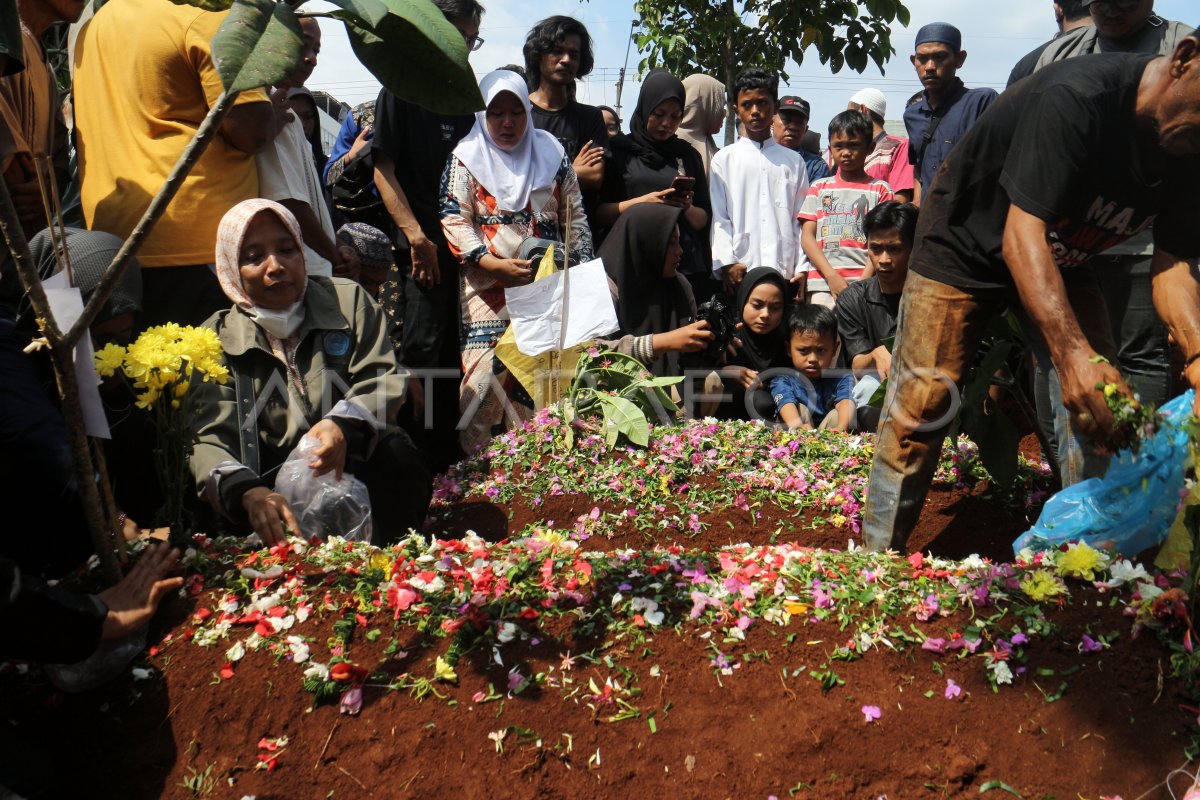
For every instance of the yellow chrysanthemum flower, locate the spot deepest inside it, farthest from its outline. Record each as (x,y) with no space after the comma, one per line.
(1041,585)
(442,671)
(164,359)
(147,398)
(552,536)
(1082,561)
(109,359)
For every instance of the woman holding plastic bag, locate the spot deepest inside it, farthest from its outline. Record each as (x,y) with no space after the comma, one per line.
(309,359)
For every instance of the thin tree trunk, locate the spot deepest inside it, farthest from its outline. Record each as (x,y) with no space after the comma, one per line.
(64,373)
(62,346)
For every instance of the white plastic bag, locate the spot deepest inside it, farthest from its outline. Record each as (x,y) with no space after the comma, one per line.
(324,506)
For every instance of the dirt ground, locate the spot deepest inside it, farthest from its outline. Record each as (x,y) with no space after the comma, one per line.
(1068,728)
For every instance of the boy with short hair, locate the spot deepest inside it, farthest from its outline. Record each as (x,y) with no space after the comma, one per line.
(807,395)
(757,187)
(868,309)
(833,212)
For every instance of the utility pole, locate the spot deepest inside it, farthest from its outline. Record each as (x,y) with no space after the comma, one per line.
(621,74)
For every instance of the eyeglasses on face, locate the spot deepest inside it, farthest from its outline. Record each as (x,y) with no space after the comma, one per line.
(474,43)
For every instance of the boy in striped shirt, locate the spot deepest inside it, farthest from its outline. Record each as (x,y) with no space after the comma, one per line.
(832,214)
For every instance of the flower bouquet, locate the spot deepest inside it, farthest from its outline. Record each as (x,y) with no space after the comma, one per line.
(162,364)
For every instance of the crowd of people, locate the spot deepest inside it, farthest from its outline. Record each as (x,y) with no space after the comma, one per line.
(360,296)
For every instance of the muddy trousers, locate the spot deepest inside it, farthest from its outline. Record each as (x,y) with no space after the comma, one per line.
(938,332)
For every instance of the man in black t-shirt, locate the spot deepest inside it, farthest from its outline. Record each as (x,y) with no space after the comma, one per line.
(411,146)
(1143,348)
(1079,157)
(557,51)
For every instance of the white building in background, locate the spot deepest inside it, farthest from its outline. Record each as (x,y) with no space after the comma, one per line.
(330,113)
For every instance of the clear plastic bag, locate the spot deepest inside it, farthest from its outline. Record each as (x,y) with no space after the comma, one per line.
(1133,505)
(323,505)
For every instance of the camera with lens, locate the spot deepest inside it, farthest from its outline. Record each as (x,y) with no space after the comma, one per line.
(719,316)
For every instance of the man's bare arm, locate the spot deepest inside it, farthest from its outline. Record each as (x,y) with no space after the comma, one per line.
(424,252)
(1044,296)
(1177,300)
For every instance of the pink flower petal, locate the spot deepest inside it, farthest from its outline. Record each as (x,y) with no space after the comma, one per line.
(871,713)
(352,701)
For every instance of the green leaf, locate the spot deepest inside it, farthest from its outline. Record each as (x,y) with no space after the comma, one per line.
(879,395)
(419,56)
(626,418)
(207,5)
(257,45)
(990,785)
(364,13)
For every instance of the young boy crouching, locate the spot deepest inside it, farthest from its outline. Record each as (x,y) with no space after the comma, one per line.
(807,395)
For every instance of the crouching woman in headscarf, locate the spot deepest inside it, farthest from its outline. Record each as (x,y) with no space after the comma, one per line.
(307,355)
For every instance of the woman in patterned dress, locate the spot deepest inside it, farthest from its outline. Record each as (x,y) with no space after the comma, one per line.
(505,182)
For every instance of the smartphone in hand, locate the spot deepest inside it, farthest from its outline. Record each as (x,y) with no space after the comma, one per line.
(680,186)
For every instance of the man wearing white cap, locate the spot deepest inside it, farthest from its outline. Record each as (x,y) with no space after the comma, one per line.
(889,160)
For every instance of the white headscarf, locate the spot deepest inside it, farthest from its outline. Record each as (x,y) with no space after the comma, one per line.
(509,175)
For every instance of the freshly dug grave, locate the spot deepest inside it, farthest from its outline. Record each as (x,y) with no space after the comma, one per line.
(612,666)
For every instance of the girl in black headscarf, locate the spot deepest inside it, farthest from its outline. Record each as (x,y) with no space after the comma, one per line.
(761,305)
(644,165)
(655,305)
(302,102)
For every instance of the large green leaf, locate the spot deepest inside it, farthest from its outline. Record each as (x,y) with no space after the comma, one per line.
(257,45)
(417,55)
(623,416)
(364,13)
(207,5)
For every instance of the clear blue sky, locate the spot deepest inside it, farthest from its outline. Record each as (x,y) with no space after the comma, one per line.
(995,36)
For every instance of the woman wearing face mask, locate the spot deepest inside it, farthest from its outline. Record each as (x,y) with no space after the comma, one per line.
(652,166)
(505,181)
(306,355)
(760,345)
(655,307)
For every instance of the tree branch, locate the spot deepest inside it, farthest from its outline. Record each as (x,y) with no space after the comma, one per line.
(68,389)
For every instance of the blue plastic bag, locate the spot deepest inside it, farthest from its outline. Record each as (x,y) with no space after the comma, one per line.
(1133,505)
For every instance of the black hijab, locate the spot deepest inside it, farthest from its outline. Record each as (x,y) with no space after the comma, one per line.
(659,87)
(760,352)
(633,255)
